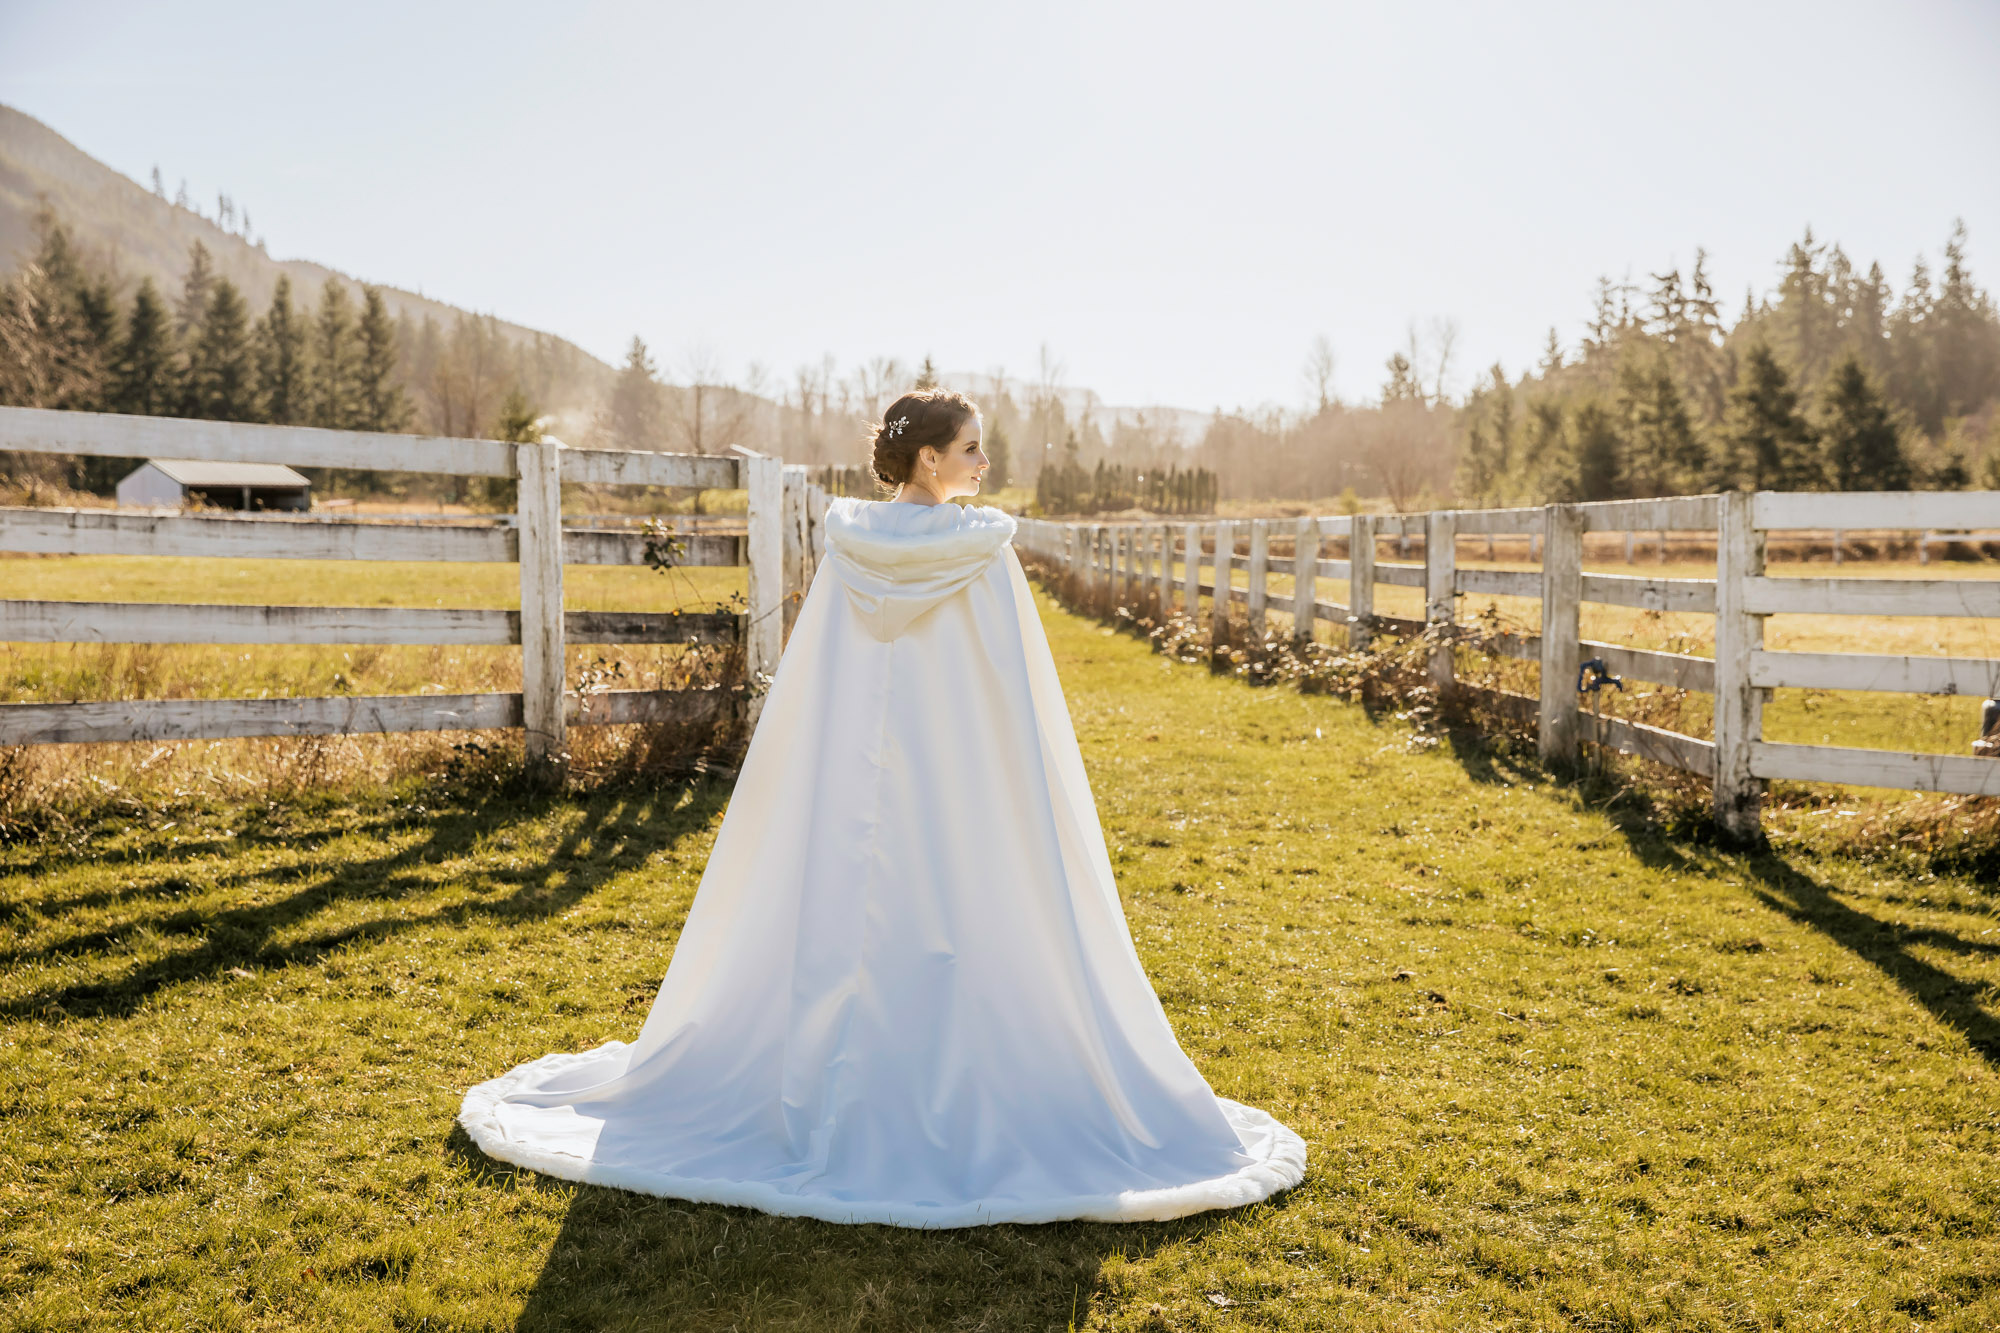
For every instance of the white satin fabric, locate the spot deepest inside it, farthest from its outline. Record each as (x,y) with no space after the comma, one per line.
(905,992)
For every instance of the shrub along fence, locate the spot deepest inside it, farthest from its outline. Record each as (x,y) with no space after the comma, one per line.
(1136,564)
(779,547)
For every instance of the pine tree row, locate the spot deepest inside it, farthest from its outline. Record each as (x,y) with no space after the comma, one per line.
(1829,384)
(64,343)
(1070,488)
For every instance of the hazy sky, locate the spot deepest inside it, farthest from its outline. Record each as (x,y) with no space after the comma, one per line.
(1175,199)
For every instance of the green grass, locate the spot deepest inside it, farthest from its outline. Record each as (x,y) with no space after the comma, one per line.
(1627,1082)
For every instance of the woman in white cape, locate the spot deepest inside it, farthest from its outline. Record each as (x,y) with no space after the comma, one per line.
(905,991)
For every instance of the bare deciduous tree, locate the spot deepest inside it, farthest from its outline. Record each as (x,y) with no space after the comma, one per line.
(1318,372)
(708,411)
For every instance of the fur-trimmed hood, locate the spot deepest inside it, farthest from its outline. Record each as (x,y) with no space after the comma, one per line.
(897,561)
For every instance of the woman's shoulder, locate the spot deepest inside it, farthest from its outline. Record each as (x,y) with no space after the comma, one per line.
(902,516)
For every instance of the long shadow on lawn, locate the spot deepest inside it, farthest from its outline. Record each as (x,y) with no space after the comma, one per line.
(1886,945)
(633,825)
(626,1260)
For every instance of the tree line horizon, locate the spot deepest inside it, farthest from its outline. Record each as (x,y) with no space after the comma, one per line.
(1831,380)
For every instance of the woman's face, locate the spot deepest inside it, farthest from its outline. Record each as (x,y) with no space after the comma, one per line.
(959,468)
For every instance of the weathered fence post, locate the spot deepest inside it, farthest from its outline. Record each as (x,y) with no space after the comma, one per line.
(1166,597)
(1117,557)
(1143,568)
(1107,588)
(1191,570)
(1136,571)
(1101,582)
(764,479)
(1259,570)
(795,544)
(816,504)
(1360,579)
(1100,565)
(539,517)
(1305,575)
(1739,705)
(1562,597)
(1441,588)
(1225,552)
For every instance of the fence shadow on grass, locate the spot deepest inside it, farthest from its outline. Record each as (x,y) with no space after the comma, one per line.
(1887,946)
(633,824)
(630,1261)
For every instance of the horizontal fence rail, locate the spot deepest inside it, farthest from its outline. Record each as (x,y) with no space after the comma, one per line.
(1167,567)
(780,549)
(168,622)
(279,537)
(348,715)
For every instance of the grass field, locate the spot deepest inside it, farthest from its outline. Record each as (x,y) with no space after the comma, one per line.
(1554,1068)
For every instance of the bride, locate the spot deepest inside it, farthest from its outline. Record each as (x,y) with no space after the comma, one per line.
(905,991)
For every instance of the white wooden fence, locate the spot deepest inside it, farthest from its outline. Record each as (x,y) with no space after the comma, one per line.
(780,549)
(1135,563)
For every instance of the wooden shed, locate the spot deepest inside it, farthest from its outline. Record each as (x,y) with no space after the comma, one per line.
(178,482)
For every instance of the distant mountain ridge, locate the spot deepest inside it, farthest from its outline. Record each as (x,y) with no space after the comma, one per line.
(144,236)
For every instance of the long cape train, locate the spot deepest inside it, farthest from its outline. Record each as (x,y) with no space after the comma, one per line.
(905,991)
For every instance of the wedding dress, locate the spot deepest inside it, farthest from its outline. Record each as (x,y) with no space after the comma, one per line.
(905,991)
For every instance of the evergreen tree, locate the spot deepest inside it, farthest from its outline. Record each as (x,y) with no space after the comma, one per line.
(195,291)
(1000,453)
(1599,454)
(333,401)
(1965,336)
(221,381)
(382,405)
(1486,458)
(145,382)
(1951,473)
(926,376)
(1552,354)
(283,389)
(1863,447)
(634,418)
(1767,444)
(1665,454)
(1912,377)
(88,310)
(1869,322)
(1804,313)
(56,333)
(520,421)
(1545,461)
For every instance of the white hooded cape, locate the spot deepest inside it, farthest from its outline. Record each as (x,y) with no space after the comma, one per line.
(906,991)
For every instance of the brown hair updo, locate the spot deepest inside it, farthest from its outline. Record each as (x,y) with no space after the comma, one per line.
(924,417)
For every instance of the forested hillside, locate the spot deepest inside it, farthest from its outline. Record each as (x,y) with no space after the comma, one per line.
(118,297)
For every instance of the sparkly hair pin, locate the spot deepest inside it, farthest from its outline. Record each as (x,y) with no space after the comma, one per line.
(896,427)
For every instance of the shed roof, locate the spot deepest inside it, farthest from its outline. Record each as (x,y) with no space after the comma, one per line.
(199,472)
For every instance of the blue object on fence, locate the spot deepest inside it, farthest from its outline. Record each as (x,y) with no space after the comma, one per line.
(1593,676)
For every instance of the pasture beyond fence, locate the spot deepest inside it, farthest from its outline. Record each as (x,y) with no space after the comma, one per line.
(780,545)
(1136,563)
(783,539)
